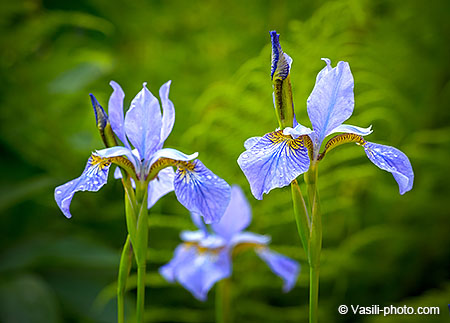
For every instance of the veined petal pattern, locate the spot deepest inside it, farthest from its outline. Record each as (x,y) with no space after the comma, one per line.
(394,161)
(201,191)
(275,161)
(94,176)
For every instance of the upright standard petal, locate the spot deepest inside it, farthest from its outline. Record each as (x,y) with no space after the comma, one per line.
(282,266)
(331,101)
(394,161)
(199,223)
(168,117)
(237,216)
(116,116)
(143,123)
(160,186)
(281,62)
(94,176)
(201,191)
(275,161)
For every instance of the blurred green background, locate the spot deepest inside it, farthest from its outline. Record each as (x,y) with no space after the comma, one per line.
(379,247)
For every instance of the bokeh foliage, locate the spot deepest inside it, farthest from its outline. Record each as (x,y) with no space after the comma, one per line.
(379,247)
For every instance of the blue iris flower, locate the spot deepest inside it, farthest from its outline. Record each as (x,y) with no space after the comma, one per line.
(143,131)
(277,158)
(206,257)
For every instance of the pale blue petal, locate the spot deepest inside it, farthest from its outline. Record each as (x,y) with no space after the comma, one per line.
(275,161)
(237,216)
(346,128)
(143,123)
(331,101)
(115,110)
(281,62)
(182,254)
(120,151)
(171,154)
(92,179)
(394,161)
(168,118)
(161,185)
(325,70)
(198,221)
(201,191)
(193,236)
(199,274)
(212,241)
(282,266)
(295,122)
(250,142)
(249,238)
(118,175)
(298,131)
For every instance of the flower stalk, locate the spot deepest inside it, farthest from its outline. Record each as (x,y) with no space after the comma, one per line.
(278,158)
(315,242)
(134,141)
(223,301)
(124,271)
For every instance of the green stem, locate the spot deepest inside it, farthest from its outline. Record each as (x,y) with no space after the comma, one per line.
(315,241)
(313,294)
(140,306)
(223,301)
(124,271)
(301,215)
(140,248)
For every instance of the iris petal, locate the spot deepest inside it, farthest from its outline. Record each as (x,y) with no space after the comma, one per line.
(284,267)
(120,151)
(160,186)
(143,123)
(182,254)
(201,272)
(275,161)
(201,191)
(324,70)
(249,237)
(193,236)
(394,161)
(298,131)
(168,118)
(237,216)
(115,110)
(331,101)
(250,142)
(197,271)
(94,176)
(352,129)
(172,154)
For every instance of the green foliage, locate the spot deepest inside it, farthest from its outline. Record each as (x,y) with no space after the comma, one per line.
(379,247)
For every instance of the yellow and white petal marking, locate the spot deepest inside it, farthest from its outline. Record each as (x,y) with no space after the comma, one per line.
(342,139)
(275,161)
(94,176)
